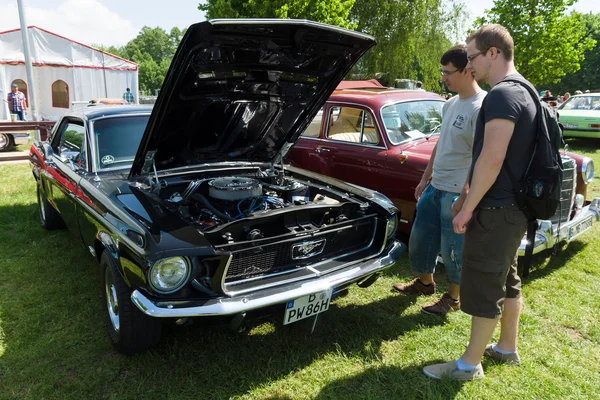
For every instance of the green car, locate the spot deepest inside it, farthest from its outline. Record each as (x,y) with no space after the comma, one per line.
(580,116)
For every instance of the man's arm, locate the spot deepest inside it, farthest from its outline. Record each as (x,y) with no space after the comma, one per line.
(426,174)
(496,137)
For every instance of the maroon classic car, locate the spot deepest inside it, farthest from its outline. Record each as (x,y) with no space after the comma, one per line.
(382,139)
(376,138)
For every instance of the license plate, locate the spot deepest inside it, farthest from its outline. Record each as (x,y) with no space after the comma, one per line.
(570,126)
(580,227)
(307,306)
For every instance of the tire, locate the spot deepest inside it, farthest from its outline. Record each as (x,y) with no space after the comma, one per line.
(7,142)
(50,219)
(129,329)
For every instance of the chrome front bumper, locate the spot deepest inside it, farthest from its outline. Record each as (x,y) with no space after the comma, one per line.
(548,234)
(267,297)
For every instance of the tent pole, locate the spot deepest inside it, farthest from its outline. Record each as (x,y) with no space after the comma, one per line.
(32,100)
(104,73)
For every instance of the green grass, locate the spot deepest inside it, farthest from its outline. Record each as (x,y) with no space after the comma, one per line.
(371,344)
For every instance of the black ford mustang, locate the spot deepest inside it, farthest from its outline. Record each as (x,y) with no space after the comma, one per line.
(188,206)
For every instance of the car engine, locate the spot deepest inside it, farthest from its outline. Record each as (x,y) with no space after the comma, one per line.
(250,206)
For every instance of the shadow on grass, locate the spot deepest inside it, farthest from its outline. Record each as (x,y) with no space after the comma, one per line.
(391,383)
(56,344)
(545,263)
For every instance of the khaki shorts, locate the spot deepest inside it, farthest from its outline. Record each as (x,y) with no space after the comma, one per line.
(489,272)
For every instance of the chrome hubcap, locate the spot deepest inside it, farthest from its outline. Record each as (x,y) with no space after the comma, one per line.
(3,140)
(112,303)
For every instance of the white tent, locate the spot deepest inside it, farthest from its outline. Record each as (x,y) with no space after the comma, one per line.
(65,72)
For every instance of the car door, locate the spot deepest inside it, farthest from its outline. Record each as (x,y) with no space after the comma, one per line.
(353,146)
(304,153)
(69,161)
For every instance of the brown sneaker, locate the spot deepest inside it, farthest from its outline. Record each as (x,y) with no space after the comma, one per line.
(443,306)
(511,358)
(415,287)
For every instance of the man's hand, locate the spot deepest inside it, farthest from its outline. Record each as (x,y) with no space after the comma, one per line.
(461,220)
(419,189)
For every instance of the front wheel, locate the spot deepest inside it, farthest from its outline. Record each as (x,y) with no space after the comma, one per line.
(7,142)
(130,330)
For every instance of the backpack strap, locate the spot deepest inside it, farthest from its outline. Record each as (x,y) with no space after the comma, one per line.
(532,224)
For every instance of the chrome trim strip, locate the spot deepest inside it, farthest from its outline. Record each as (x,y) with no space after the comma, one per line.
(278,295)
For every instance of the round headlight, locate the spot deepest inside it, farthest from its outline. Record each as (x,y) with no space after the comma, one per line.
(392,225)
(169,274)
(587,170)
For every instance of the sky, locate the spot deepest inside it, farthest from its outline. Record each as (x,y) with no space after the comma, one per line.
(115,22)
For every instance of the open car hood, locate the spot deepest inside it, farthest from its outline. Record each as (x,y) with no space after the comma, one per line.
(244,90)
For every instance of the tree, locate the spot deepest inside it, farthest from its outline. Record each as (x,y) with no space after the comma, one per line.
(588,76)
(334,12)
(548,43)
(411,37)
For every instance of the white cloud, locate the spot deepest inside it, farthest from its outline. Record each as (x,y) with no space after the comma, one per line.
(85,21)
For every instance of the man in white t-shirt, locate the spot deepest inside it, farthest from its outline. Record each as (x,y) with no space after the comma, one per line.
(441,183)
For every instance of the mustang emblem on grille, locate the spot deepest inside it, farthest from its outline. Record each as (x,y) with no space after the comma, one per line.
(308,249)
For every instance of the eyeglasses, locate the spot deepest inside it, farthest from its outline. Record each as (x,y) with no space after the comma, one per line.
(447,73)
(474,56)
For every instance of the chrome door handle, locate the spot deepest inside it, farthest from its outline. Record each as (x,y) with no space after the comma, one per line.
(322,150)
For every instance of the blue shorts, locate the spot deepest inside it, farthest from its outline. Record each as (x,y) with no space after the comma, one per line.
(432,233)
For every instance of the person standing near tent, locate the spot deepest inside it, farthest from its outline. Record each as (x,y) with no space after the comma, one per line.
(128,96)
(16,102)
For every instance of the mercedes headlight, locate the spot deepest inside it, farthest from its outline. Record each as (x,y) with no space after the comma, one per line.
(169,274)
(587,170)
(392,226)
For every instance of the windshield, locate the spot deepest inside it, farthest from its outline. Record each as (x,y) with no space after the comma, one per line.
(412,119)
(117,140)
(581,103)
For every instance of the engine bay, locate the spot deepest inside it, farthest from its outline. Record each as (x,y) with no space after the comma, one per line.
(250,206)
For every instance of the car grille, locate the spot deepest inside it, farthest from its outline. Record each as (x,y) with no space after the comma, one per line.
(277,257)
(567,193)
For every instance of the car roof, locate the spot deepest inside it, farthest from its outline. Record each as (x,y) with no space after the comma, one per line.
(378,98)
(104,111)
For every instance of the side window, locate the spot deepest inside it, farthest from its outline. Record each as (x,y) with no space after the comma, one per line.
(315,126)
(351,124)
(69,142)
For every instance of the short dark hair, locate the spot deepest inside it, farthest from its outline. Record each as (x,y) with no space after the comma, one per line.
(128,89)
(494,35)
(419,84)
(457,56)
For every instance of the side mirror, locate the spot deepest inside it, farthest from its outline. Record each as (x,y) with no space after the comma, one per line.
(47,152)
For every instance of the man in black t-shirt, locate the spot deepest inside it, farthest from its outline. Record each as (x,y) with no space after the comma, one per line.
(486,212)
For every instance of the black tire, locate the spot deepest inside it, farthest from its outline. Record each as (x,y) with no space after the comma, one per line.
(7,142)
(50,219)
(129,329)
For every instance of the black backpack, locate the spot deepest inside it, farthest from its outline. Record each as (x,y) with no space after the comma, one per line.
(538,190)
